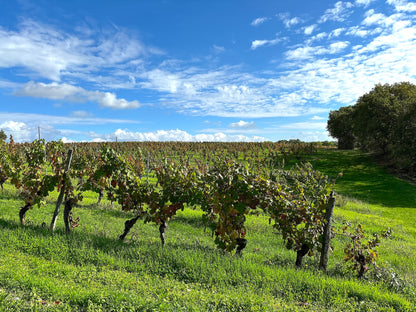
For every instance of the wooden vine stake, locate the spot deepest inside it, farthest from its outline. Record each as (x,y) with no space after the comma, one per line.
(326,239)
(61,194)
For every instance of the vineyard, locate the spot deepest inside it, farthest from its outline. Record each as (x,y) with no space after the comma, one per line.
(242,198)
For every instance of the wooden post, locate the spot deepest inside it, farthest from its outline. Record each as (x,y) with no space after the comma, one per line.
(147,170)
(326,239)
(61,194)
(44,155)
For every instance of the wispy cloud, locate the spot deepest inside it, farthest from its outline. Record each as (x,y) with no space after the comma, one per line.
(358,32)
(309,52)
(364,3)
(264,43)
(339,13)
(258,21)
(243,125)
(41,120)
(289,21)
(218,49)
(49,53)
(81,114)
(55,91)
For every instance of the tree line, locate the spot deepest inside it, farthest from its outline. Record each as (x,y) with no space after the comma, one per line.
(382,122)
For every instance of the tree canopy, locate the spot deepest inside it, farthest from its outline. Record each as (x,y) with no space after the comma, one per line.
(382,121)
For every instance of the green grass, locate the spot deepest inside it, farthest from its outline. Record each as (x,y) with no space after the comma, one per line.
(90,270)
(363,179)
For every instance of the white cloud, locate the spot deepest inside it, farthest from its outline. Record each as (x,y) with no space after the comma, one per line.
(337,47)
(364,3)
(288,21)
(23,132)
(261,43)
(226,92)
(309,29)
(243,125)
(259,21)
(357,32)
(339,13)
(317,37)
(164,81)
(336,32)
(13,125)
(49,53)
(303,53)
(178,135)
(19,130)
(387,58)
(395,44)
(373,18)
(292,21)
(52,91)
(108,99)
(55,91)
(65,140)
(403,5)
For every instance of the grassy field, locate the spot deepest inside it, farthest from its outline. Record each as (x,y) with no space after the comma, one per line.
(91,270)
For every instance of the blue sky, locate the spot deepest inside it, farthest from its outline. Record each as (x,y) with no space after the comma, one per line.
(219,70)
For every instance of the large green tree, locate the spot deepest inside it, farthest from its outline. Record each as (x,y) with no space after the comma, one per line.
(404,148)
(340,126)
(377,115)
(383,121)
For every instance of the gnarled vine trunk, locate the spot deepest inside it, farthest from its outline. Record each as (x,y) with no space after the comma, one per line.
(326,236)
(127,226)
(300,254)
(162,229)
(100,196)
(22,213)
(361,260)
(241,244)
(69,204)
